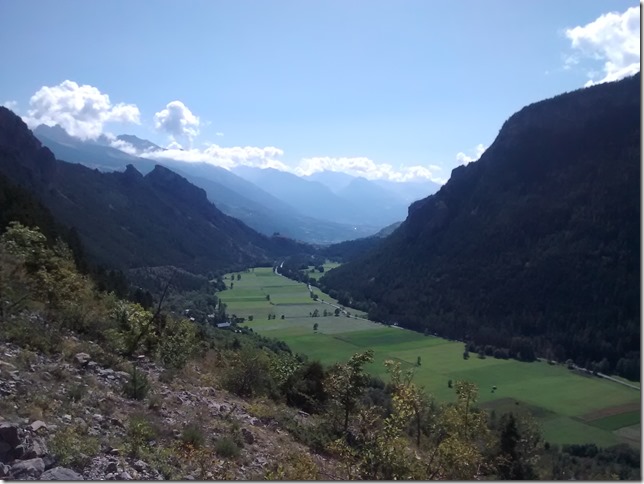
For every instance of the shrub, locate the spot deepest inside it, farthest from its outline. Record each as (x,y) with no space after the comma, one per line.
(177,343)
(73,447)
(193,434)
(227,448)
(140,432)
(77,392)
(137,386)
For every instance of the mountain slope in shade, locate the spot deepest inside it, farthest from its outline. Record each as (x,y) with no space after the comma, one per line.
(232,194)
(534,248)
(126,219)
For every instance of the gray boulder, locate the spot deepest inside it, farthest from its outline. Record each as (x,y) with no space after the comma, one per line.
(28,468)
(61,474)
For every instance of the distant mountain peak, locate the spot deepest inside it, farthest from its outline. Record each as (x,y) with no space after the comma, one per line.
(55,133)
(140,144)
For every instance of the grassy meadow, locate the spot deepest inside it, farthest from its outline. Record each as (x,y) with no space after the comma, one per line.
(572,408)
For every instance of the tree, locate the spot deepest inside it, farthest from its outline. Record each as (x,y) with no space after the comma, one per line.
(337,311)
(463,434)
(519,444)
(345,384)
(238,277)
(315,327)
(418,361)
(268,297)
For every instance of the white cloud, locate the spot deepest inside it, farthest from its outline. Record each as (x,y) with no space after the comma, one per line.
(464,159)
(81,110)
(269,157)
(364,167)
(10,105)
(226,157)
(177,121)
(613,38)
(124,146)
(219,133)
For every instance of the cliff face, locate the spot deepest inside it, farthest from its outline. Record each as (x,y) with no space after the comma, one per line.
(539,239)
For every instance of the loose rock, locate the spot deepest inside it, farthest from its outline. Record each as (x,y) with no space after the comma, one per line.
(61,474)
(28,468)
(81,359)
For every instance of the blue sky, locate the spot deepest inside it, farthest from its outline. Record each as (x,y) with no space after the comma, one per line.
(370,87)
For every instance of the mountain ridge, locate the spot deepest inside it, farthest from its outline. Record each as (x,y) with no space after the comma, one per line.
(518,249)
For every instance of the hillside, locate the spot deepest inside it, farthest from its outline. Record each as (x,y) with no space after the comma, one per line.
(232,194)
(129,220)
(533,249)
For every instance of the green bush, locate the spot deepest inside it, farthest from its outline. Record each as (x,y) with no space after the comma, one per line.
(137,386)
(73,448)
(193,434)
(140,432)
(76,392)
(227,448)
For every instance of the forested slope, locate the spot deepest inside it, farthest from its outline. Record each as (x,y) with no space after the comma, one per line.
(129,220)
(534,249)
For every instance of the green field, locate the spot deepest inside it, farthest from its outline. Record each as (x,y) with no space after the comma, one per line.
(570,407)
(327,267)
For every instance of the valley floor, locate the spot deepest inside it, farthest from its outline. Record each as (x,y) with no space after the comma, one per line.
(571,407)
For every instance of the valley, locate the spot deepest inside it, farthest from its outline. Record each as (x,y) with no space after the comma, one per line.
(572,408)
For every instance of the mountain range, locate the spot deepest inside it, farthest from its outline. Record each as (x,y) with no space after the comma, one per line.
(268,200)
(127,219)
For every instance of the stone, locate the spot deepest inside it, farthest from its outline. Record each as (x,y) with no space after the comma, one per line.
(61,474)
(28,468)
(4,471)
(37,449)
(19,451)
(81,359)
(125,476)
(67,418)
(92,365)
(111,467)
(7,366)
(140,466)
(37,425)
(248,436)
(49,460)
(9,434)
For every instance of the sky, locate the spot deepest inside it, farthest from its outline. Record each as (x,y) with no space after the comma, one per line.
(396,89)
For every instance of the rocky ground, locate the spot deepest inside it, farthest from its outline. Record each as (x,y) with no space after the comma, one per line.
(65,417)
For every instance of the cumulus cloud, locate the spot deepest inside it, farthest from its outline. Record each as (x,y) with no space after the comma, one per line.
(464,159)
(81,110)
(226,157)
(364,167)
(10,105)
(177,121)
(124,146)
(613,38)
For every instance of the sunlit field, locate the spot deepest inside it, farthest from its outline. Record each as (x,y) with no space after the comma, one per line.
(571,408)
